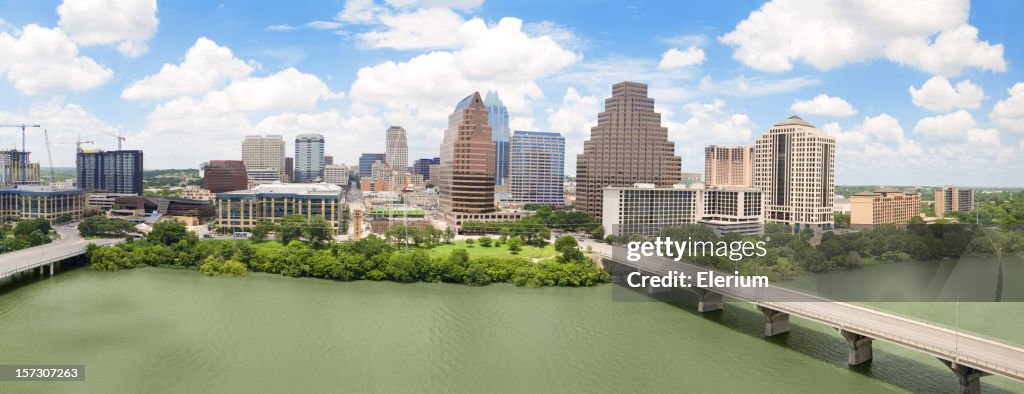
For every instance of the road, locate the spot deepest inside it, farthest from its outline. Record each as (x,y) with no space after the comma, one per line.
(944,343)
(70,244)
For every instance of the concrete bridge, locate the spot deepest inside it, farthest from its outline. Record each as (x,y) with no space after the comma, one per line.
(41,257)
(970,357)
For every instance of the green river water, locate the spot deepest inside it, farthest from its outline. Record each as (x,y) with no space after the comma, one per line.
(153,330)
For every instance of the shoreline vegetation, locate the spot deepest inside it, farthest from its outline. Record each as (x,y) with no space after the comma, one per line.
(371,258)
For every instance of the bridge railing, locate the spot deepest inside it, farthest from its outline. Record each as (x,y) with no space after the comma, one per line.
(958,357)
(45,260)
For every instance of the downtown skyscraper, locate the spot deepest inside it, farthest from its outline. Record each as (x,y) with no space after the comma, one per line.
(309,158)
(396,150)
(467,162)
(794,165)
(629,145)
(537,168)
(497,118)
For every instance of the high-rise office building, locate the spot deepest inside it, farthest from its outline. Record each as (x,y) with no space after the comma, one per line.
(467,162)
(953,199)
(422,166)
(118,171)
(264,154)
(309,158)
(366,163)
(794,164)
(537,168)
(396,152)
(497,118)
(221,176)
(729,166)
(645,209)
(328,160)
(628,146)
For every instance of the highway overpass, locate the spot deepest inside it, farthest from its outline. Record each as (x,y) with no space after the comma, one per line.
(969,356)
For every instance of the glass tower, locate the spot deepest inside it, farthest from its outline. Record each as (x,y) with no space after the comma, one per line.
(497,118)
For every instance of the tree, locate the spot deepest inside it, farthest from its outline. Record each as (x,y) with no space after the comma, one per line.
(168,233)
(290,229)
(470,241)
(449,235)
(597,232)
(317,230)
(566,243)
(841,219)
(261,231)
(515,244)
(486,242)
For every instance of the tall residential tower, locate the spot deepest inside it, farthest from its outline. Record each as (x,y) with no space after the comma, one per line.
(627,146)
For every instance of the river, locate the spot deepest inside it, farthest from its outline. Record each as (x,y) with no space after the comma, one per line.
(153,330)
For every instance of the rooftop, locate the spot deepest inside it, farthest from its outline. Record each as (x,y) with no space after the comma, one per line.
(325,189)
(794,120)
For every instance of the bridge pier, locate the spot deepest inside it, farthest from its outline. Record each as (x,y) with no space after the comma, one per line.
(708,301)
(51,269)
(969,378)
(860,350)
(775,322)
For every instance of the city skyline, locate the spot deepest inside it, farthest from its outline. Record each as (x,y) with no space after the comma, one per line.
(716,77)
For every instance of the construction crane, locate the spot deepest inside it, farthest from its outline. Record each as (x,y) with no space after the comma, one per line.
(49,154)
(24,152)
(78,148)
(120,138)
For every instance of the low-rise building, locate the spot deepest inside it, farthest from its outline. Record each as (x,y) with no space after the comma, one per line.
(242,210)
(41,202)
(151,210)
(645,209)
(336,174)
(733,210)
(193,192)
(883,206)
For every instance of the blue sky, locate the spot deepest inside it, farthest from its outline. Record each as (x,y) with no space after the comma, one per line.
(916,93)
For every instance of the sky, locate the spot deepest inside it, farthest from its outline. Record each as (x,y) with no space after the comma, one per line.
(916,92)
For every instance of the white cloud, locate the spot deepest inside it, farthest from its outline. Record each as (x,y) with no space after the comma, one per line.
(127,23)
(950,53)
(883,127)
(756,86)
(207,66)
(280,28)
(428,28)
(983,137)
(952,126)
(361,11)
(42,60)
(574,118)
(825,105)
(1009,112)
(564,36)
(687,40)
(711,121)
(674,58)
(464,5)
(501,58)
(937,94)
(323,25)
(830,33)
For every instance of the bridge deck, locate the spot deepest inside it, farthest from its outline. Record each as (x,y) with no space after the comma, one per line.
(69,245)
(946,344)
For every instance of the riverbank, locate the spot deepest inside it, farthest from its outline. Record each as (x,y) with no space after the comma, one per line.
(370,258)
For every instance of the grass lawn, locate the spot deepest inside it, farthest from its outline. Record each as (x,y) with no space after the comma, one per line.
(477,251)
(442,250)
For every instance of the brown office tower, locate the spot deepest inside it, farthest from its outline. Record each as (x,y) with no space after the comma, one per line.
(729,166)
(467,163)
(627,146)
(225,176)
